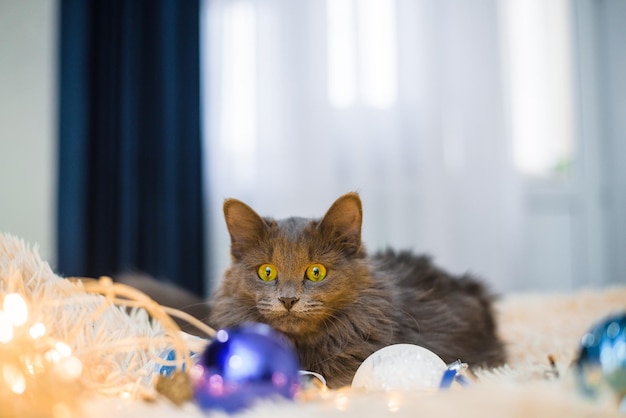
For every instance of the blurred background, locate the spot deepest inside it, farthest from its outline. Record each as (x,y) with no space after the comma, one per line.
(488,133)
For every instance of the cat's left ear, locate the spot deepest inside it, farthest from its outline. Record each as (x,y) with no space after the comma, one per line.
(343,221)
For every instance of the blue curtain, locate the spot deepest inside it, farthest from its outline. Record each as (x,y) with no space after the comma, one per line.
(130,174)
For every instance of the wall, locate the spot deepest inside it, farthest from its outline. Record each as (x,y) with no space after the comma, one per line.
(28,121)
(608,19)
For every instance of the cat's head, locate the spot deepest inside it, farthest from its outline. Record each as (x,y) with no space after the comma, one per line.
(296,273)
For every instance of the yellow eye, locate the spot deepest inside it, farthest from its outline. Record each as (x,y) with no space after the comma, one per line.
(267,272)
(316,272)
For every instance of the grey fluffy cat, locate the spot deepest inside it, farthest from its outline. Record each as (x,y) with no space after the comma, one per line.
(314,281)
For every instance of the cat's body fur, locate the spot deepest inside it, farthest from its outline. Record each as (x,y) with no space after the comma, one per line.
(363,304)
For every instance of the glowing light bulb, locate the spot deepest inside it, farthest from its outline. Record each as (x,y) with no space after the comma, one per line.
(14,378)
(69,368)
(16,309)
(341,401)
(394,402)
(37,330)
(30,367)
(63,349)
(6,328)
(52,356)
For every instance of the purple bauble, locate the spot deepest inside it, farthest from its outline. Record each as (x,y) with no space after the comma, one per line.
(243,365)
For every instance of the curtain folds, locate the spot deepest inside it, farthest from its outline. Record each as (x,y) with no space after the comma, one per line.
(421,133)
(130,175)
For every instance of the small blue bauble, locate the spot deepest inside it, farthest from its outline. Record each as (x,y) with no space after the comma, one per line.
(602,357)
(170,356)
(243,365)
(168,371)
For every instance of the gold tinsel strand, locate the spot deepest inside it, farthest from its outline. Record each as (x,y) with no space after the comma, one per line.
(63,341)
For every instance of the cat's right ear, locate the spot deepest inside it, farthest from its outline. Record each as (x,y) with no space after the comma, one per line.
(245,226)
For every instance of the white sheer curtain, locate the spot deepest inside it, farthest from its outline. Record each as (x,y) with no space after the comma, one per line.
(305,102)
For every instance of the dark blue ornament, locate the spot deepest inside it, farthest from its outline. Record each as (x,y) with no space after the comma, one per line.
(243,365)
(602,358)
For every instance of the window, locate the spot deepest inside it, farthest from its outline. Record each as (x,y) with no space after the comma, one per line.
(361,53)
(231,83)
(538,57)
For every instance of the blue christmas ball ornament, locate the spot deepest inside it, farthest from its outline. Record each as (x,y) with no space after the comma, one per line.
(245,364)
(602,358)
(170,356)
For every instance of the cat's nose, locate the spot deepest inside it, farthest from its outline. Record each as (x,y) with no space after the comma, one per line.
(288,302)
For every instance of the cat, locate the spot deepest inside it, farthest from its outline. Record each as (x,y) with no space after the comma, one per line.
(312,279)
